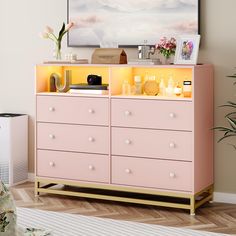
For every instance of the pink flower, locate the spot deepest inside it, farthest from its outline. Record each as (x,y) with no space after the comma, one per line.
(48,30)
(166,46)
(44,35)
(69,26)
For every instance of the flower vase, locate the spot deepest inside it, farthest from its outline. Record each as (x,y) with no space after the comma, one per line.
(167,60)
(57,50)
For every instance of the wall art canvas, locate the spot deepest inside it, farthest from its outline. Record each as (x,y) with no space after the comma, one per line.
(130,22)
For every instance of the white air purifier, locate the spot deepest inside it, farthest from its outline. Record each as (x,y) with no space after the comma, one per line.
(13,148)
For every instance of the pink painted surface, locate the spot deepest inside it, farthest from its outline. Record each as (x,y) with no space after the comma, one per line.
(75,110)
(174,145)
(203,124)
(78,138)
(74,166)
(174,115)
(156,118)
(172,175)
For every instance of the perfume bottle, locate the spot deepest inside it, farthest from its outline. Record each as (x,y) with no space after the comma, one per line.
(162,88)
(137,85)
(126,88)
(170,87)
(177,90)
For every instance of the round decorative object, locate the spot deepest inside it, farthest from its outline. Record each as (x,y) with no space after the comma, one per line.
(151,88)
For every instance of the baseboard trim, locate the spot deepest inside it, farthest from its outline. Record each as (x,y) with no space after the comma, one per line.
(224,197)
(31,177)
(217,196)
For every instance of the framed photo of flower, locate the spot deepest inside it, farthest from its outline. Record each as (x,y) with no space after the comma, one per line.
(187,49)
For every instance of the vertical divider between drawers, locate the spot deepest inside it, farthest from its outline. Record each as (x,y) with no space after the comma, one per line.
(109,125)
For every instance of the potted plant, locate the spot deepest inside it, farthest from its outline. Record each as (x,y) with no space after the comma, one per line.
(230,130)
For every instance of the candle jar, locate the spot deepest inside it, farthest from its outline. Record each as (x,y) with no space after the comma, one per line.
(177,90)
(187,89)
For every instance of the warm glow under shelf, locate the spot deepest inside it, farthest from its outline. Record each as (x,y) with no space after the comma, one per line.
(116,96)
(151,97)
(71,94)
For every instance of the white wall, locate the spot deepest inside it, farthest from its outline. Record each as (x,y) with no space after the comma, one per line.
(21,48)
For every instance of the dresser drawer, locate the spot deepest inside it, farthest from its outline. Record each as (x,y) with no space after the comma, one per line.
(76,138)
(75,110)
(174,145)
(74,166)
(162,174)
(176,115)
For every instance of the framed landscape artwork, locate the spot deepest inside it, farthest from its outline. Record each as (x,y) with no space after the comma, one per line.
(131,22)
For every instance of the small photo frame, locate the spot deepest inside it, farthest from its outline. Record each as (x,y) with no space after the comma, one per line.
(187,49)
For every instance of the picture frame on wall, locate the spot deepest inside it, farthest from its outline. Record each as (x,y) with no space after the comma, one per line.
(187,49)
(130,23)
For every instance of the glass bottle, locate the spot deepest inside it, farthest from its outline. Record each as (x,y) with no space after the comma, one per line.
(187,88)
(162,88)
(170,87)
(178,90)
(126,88)
(137,85)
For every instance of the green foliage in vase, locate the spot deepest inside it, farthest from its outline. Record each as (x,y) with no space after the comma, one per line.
(230,130)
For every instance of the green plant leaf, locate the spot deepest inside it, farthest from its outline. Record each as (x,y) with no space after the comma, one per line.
(223,129)
(62,31)
(226,136)
(230,114)
(232,123)
(228,105)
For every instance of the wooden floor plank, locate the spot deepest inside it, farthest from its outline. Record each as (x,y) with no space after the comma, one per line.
(215,217)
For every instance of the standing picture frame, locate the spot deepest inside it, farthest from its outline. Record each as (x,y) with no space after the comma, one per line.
(187,49)
(130,23)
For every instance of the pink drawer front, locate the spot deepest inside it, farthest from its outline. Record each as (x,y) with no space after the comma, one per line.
(162,174)
(174,115)
(78,138)
(174,145)
(74,166)
(75,110)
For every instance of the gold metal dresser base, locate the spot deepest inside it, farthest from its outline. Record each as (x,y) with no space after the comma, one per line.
(125,194)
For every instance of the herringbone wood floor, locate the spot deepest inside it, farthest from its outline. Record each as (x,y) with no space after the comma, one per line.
(215,217)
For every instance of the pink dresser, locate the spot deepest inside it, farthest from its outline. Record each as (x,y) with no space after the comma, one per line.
(143,146)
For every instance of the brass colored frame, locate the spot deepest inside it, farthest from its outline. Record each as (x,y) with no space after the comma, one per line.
(205,195)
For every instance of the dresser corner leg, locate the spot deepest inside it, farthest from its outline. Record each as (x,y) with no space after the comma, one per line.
(36,192)
(192,205)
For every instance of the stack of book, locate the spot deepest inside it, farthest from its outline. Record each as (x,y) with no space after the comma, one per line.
(89,89)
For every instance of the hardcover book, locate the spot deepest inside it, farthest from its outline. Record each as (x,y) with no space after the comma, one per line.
(89,87)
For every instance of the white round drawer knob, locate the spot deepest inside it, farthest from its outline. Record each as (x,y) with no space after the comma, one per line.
(128,142)
(52,164)
(51,109)
(91,139)
(51,136)
(172,175)
(91,111)
(128,113)
(172,145)
(128,171)
(172,115)
(91,167)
